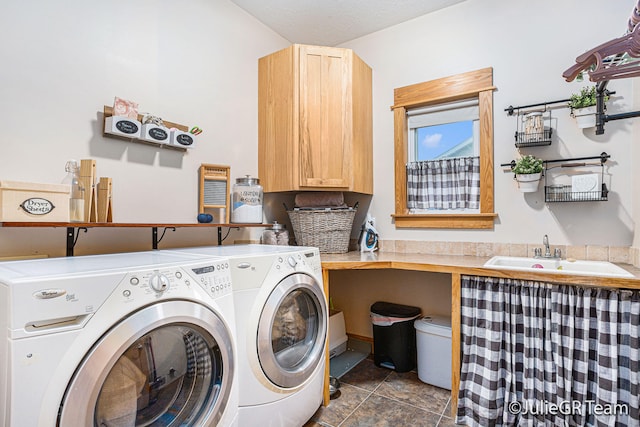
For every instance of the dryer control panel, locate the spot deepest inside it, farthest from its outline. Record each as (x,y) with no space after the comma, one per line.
(312,258)
(213,277)
(290,262)
(307,260)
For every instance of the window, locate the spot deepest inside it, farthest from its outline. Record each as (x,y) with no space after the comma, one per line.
(444,131)
(443,159)
(448,121)
(445,141)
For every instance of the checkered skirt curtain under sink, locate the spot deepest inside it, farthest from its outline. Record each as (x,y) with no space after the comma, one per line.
(444,184)
(540,354)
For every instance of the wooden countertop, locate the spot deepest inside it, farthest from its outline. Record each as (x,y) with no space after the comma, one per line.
(458,264)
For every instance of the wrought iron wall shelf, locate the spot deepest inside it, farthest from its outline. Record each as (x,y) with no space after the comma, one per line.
(533,139)
(511,110)
(601,117)
(565,192)
(533,127)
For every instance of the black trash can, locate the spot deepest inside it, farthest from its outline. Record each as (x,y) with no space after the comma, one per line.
(394,337)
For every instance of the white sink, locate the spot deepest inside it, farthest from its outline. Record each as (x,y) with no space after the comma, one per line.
(578,267)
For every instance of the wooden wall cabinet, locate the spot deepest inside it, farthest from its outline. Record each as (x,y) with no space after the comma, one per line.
(315,120)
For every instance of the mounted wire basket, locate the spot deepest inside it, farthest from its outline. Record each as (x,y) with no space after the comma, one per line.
(327,229)
(533,139)
(533,128)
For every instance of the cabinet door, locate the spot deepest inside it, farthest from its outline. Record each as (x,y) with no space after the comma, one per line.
(325,117)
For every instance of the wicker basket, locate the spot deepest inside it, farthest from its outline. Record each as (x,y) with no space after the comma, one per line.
(327,229)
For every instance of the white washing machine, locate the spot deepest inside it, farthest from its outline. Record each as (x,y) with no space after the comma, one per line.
(281,320)
(129,339)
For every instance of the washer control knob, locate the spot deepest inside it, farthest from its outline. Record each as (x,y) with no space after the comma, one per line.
(292,261)
(159,282)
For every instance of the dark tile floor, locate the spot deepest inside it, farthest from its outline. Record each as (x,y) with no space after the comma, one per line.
(370,396)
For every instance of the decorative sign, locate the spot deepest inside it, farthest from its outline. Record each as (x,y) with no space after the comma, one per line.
(126,126)
(184,139)
(37,206)
(158,134)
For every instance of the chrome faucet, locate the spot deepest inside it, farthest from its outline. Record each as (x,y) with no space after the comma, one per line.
(547,249)
(557,254)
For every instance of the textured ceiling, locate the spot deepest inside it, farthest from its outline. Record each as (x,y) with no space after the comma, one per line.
(332,22)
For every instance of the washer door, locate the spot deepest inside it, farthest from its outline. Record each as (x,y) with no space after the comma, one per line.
(292,330)
(170,364)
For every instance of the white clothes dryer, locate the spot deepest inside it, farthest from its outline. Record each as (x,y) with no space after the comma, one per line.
(281,320)
(129,339)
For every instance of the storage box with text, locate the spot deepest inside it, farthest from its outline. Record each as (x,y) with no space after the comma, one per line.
(33,202)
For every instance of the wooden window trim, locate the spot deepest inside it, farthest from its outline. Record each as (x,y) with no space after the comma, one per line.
(473,84)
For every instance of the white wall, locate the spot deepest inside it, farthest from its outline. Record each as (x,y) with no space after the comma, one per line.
(195,62)
(192,62)
(529,45)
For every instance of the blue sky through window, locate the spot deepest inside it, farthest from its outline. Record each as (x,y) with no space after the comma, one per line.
(433,141)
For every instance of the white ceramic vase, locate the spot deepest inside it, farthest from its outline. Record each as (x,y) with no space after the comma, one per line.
(528,183)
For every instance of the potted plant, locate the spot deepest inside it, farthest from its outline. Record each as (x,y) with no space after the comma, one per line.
(528,171)
(583,106)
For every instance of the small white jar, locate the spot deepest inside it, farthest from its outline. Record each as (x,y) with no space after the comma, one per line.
(276,235)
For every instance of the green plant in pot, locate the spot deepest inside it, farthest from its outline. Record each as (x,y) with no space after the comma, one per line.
(528,171)
(583,106)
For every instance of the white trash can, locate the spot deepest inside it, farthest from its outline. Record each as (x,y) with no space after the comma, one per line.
(433,342)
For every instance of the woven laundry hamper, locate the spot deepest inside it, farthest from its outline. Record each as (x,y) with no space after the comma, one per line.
(327,229)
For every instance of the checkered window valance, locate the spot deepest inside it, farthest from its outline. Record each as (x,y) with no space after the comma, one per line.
(452,183)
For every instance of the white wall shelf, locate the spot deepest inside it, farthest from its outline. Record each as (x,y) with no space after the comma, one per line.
(182,140)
